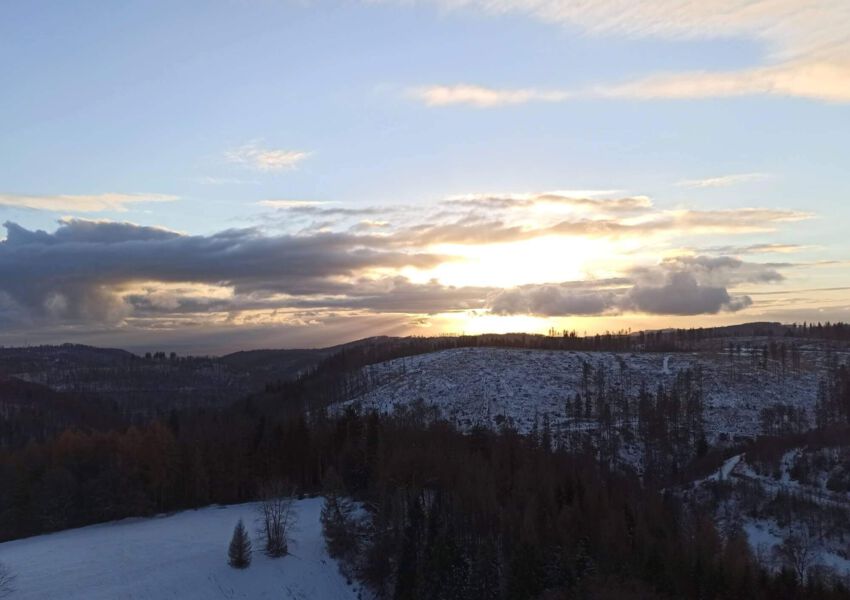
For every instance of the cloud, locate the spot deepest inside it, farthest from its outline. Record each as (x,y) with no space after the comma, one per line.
(487,228)
(78,272)
(564,199)
(797,26)
(108,272)
(316,216)
(289,204)
(320,209)
(759,249)
(681,294)
(114,202)
(400,295)
(806,48)
(482,97)
(258,158)
(559,299)
(720,271)
(686,285)
(736,219)
(369,225)
(827,82)
(212,180)
(117,274)
(722,180)
(491,218)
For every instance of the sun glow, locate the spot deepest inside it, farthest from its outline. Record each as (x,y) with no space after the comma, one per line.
(540,260)
(479,322)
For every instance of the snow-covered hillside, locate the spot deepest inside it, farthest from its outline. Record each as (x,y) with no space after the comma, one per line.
(486,386)
(179,556)
(761,502)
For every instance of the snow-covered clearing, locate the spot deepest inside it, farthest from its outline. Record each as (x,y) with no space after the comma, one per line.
(765,536)
(178,556)
(487,386)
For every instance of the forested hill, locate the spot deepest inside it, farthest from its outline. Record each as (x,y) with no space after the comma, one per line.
(142,386)
(601,470)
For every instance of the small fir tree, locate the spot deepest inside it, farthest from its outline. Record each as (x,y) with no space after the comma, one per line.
(239,553)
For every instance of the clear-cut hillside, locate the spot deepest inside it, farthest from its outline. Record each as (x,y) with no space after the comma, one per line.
(490,386)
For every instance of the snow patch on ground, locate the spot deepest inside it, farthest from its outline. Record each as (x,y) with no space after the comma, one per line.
(765,536)
(179,556)
(762,536)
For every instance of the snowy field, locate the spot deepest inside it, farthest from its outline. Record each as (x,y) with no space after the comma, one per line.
(178,556)
(483,386)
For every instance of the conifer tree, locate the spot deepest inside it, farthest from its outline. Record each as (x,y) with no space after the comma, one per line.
(337,519)
(239,553)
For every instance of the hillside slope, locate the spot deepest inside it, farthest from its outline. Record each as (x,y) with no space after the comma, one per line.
(489,386)
(179,556)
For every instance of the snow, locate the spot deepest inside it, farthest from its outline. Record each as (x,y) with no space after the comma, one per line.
(485,386)
(725,469)
(179,556)
(786,484)
(761,534)
(765,535)
(837,563)
(821,520)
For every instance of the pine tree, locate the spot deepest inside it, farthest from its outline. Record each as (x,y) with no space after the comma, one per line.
(338,523)
(239,553)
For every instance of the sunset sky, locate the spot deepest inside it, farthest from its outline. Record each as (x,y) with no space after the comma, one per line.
(213,176)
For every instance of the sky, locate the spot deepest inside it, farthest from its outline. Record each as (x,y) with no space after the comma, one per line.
(212,176)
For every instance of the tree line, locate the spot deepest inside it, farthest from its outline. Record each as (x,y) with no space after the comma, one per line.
(483,515)
(450,515)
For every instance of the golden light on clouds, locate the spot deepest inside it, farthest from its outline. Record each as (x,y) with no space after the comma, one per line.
(537,260)
(475,322)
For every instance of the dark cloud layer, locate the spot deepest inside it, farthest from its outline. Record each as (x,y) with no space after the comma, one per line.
(74,272)
(106,272)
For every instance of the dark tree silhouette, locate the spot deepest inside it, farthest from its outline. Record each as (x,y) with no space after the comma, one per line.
(276,517)
(798,553)
(338,524)
(239,552)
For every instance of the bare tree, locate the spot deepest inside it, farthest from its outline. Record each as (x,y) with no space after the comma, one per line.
(797,551)
(7,580)
(276,516)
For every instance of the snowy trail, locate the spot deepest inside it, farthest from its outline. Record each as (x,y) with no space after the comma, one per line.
(180,556)
(729,466)
(666,368)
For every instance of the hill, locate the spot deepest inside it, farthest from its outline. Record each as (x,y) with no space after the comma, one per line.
(490,386)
